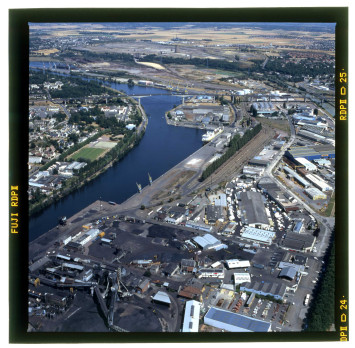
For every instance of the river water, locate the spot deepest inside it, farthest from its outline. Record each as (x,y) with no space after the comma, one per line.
(161,148)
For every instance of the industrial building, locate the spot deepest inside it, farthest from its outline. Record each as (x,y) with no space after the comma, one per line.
(298,226)
(307,164)
(297,241)
(254,171)
(191,316)
(299,268)
(235,263)
(293,175)
(311,152)
(258,236)
(264,108)
(214,213)
(256,161)
(322,162)
(318,182)
(240,278)
(303,117)
(276,290)
(162,297)
(315,194)
(233,322)
(210,273)
(221,201)
(208,242)
(198,226)
(288,273)
(88,236)
(253,210)
(273,191)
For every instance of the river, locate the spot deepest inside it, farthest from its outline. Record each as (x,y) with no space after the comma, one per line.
(161,148)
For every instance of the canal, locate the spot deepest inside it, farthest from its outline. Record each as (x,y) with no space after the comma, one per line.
(161,148)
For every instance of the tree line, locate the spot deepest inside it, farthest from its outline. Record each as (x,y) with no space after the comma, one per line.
(235,144)
(321,314)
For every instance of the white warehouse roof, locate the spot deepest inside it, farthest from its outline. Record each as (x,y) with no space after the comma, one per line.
(207,241)
(309,165)
(240,278)
(235,263)
(191,317)
(161,296)
(259,235)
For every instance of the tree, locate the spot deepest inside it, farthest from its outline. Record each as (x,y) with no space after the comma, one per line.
(130,83)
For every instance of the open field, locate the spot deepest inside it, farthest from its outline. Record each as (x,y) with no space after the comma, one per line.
(47,52)
(89,153)
(152,65)
(238,35)
(282,125)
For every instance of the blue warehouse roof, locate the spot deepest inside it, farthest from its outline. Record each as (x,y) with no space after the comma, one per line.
(234,322)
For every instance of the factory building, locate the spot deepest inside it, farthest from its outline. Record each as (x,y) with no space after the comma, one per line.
(318,182)
(299,268)
(208,242)
(162,298)
(272,190)
(254,171)
(288,273)
(292,174)
(315,194)
(234,322)
(308,165)
(210,273)
(276,290)
(240,278)
(303,117)
(298,226)
(257,161)
(235,263)
(258,236)
(322,162)
(221,201)
(298,242)
(191,316)
(253,210)
(88,236)
(311,152)
(214,213)
(264,108)
(198,226)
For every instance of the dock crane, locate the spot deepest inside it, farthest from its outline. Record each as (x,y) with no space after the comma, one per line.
(139,187)
(150,179)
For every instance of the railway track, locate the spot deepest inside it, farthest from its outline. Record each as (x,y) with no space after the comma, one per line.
(237,161)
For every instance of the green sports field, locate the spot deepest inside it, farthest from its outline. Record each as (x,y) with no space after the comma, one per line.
(89,153)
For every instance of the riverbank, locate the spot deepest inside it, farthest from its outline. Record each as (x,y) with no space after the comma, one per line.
(57,196)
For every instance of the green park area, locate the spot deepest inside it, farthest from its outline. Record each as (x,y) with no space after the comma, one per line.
(87,153)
